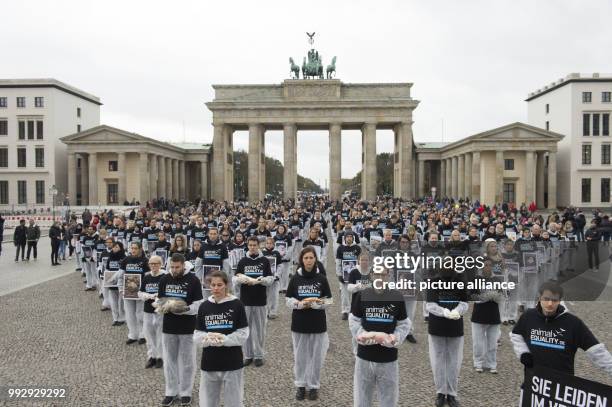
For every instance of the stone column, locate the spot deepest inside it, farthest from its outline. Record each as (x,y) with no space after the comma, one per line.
(499,176)
(405,186)
(441,190)
(540,175)
(460,176)
(161,180)
(255,158)
(529,177)
(218,163)
(144,176)
(93,179)
(168,166)
(449,177)
(182,192)
(228,140)
(475,175)
(175,179)
(72,178)
(289,164)
(552,180)
(467,192)
(122,176)
(335,160)
(421,176)
(204,178)
(153,177)
(368,171)
(454,177)
(84,180)
(262,167)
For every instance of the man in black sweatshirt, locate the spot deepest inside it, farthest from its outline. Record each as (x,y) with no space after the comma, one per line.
(253,275)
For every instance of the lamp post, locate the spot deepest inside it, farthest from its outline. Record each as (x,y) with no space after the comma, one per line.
(53,193)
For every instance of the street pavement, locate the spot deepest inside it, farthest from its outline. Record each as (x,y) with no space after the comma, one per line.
(54,334)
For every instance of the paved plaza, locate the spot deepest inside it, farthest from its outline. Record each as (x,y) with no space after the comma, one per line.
(53,334)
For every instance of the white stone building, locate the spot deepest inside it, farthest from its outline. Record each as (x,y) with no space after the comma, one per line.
(579,107)
(34,115)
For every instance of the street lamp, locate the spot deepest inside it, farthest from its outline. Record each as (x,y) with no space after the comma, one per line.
(53,193)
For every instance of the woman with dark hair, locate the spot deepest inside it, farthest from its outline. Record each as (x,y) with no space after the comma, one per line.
(308,294)
(221,330)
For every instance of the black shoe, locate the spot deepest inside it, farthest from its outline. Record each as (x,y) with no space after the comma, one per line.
(258,362)
(301,393)
(131,341)
(452,401)
(185,401)
(159,363)
(142,341)
(313,394)
(104,309)
(120,322)
(426,319)
(150,363)
(440,400)
(168,400)
(410,338)
(512,322)
(115,323)
(344,316)
(247,362)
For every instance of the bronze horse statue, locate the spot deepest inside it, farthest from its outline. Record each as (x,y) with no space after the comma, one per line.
(331,69)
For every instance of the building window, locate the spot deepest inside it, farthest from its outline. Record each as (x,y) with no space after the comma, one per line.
(30,130)
(509,164)
(20,101)
(22,192)
(605,154)
(605,124)
(586,97)
(4,193)
(3,157)
(586,189)
(509,192)
(605,190)
(586,154)
(112,166)
(78,112)
(606,96)
(39,130)
(596,124)
(40,157)
(586,124)
(547,125)
(547,108)
(40,192)
(78,128)
(112,193)
(3,127)
(21,157)
(39,101)
(3,101)
(21,130)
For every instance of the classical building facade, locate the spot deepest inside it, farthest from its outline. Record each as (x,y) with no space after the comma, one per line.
(579,107)
(312,105)
(111,166)
(34,115)
(513,163)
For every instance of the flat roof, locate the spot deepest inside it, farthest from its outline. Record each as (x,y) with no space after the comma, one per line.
(573,77)
(192,146)
(49,83)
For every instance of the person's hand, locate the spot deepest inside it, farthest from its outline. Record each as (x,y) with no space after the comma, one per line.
(454,314)
(390,341)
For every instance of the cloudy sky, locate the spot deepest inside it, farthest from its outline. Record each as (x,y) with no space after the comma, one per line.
(153,63)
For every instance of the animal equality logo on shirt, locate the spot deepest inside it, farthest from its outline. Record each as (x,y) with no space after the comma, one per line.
(176,290)
(310,290)
(384,314)
(223,320)
(212,254)
(548,338)
(253,270)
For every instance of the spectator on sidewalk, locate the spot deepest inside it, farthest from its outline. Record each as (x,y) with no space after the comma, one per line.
(19,239)
(32,235)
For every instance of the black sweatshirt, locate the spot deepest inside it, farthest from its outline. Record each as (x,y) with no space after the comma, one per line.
(304,286)
(186,287)
(258,266)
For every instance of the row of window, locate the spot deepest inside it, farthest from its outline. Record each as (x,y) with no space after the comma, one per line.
(587,150)
(39,155)
(22,192)
(606,97)
(20,101)
(604,190)
(592,123)
(30,129)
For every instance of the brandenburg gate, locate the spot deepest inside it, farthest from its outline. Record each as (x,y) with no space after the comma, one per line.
(311,104)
